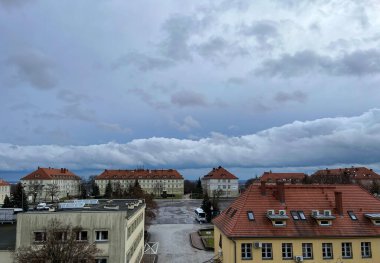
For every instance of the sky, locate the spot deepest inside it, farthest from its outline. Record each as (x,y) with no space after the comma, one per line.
(281,85)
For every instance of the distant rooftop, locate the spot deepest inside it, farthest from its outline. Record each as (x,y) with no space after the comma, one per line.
(358,173)
(219,173)
(51,174)
(139,174)
(269,176)
(4,183)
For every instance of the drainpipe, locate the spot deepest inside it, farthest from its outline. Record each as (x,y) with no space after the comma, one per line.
(233,240)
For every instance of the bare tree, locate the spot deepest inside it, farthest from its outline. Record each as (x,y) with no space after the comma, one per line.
(52,190)
(61,243)
(35,189)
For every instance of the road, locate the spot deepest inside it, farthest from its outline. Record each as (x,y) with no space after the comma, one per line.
(172,227)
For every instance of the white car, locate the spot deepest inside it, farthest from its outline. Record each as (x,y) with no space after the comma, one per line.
(200,215)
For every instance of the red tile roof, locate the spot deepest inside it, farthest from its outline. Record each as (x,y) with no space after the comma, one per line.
(51,174)
(269,176)
(219,173)
(139,174)
(357,173)
(300,198)
(4,183)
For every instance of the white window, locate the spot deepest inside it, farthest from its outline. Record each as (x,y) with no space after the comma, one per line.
(101,235)
(287,250)
(327,250)
(346,250)
(366,249)
(266,251)
(307,250)
(81,236)
(246,251)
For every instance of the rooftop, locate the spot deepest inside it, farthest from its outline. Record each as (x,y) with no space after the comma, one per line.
(269,176)
(354,172)
(139,174)
(4,183)
(51,174)
(300,200)
(219,173)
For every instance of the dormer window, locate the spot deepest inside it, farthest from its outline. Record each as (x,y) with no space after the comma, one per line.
(277,219)
(324,219)
(375,218)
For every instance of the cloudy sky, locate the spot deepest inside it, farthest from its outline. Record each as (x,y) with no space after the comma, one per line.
(287,85)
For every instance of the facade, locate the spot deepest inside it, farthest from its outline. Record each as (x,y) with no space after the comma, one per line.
(42,181)
(5,190)
(117,228)
(155,182)
(285,177)
(300,223)
(361,175)
(220,182)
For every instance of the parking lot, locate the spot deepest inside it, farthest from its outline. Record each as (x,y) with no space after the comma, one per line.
(172,227)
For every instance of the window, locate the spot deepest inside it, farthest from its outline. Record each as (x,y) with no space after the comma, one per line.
(101,260)
(101,235)
(287,250)
(352,215)
(307,250)
(60,236)
(266,251)
(246,251)
(250,215)
(366,249)
(81,236)
(346,250)
(39,236)
(279,223)
(327,250)
(302,215)
(295,215)
(325,223)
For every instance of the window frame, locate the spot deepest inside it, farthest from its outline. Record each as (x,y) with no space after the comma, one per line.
(246,251)
(287,250)
(325,248)
(307,250)
(101,239)
(352,215)
(250,218)
(266,250)
(78,235)
(347,250)
(363,248)
(295,215)
(43,235)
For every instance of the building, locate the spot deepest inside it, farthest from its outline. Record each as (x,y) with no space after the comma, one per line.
(43,182)
(116,227)
(220,182)
(7,242)
(155,182)
(300,223)
(5,190)
(285,177)
(361,175)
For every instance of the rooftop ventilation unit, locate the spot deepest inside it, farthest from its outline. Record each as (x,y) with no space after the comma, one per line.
(298,258)
(131,206)
(257,245)
(282,212)
(314,212)
(327,212)
(270,212)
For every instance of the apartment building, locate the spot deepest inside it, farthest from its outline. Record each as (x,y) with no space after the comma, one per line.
(116,227)
(300,223)
(156,182)
(271,177)
(40,183)
(5,190)
(220,182)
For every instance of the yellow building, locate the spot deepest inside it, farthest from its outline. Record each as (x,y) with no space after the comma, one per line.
(300,223)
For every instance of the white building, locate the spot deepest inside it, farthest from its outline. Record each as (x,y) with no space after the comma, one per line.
(5,190)
(157,182)
(116,228)
(40,183)
(220,182)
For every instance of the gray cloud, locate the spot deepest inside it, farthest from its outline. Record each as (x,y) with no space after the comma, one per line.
(143,62)
(34,68)
(71,97)
(297,96)
(358,63)
(321,142)
(188,124)
(148,98)
(75,111)
(188,98)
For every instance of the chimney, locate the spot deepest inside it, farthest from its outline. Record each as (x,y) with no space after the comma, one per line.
(281,191)
(339,203)
(263,190)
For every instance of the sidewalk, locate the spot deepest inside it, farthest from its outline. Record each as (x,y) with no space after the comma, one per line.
(196,241)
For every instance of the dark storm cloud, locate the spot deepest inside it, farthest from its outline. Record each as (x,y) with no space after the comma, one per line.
(188,98)
(33,67)
(297,96)
(357,63)
(143,62)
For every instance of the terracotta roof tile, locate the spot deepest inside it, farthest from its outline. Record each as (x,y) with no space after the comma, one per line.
(269,176)
(300,198)
(139,174)
(358,173)
(219,173)
(4,183)
(51,174)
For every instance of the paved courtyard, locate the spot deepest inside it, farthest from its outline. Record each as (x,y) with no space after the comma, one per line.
(172,227)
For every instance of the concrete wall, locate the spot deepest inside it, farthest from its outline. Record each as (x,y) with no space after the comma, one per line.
(6,256)
(228,249)
(115,222)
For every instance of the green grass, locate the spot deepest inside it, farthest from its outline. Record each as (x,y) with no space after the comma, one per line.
(206,232)
(208,242)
